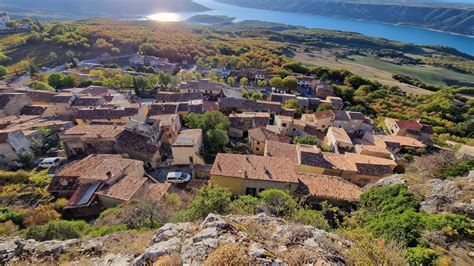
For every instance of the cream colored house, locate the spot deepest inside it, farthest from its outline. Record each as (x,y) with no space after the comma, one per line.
(13,143)
(187,147)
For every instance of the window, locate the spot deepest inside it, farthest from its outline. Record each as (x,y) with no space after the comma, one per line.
(283,124)
(251,191)
(258,142)
(257,149)
(261,190)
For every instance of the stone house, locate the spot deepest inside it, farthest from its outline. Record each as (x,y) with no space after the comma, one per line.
(241,123)
(13,143)
(259,136)
(187,148)
(12,103)
(338,140)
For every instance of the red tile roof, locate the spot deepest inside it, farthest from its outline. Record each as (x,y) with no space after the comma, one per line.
(262,134)
(408,124)
(124,189)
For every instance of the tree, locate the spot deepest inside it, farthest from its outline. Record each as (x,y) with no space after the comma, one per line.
(244,82)
(165,79)
(277,202)
(293,104)
(311,217)
(244,205)
(290,83)
(33,69)
(55,80)
(215,120)
(324,107)
(216,139)
(262,83)
(276,82)
(308,140)
(208,199)
(3,71)
(231,81)
(140,85)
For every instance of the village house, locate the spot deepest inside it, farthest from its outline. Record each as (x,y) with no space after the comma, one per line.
(104,115)
(373,150)
(82,102)
(336,102)
(306,103)
(170,126)
(251,74)
(4,19)
(233,105)
(322,90)
(289,126)
(204,86)
(356,168)
(12,103)
(160,64)
(338,140)
(391,143)
(259,136)
(83,140)
(30,125)
(250,175)
(351,122)
(187,148)
(408,128)
(62,104)
(241,123)
(170,97)
(13,143)
(41,110)
(98,182)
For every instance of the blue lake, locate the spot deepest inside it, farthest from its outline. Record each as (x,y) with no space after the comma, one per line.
(389,31)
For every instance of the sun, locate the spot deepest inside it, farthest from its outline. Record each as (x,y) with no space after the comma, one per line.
(165,17)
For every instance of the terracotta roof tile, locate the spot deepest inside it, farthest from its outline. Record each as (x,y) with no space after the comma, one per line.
(124,189)
(330,187)
(33,110)
(95,131)
(281,150)
(408,124)
(262,135)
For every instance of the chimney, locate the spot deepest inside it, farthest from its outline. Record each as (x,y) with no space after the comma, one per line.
(109,175)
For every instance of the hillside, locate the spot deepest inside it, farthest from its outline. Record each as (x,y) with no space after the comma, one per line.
(438,17)
(88,8)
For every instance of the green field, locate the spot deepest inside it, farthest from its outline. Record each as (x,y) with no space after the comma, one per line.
(428,74)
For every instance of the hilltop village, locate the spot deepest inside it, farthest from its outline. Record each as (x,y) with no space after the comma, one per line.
(122,144)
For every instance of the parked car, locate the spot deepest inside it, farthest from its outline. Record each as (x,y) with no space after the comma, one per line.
(51,162)
(178,177)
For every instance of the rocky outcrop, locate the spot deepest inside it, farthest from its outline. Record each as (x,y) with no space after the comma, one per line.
(438,196)
(276,237)
(264,239)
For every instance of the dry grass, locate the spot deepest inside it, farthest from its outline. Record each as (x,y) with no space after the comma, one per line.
(258,231)
(169,260)
(298,256)
(227,255)
(128,242)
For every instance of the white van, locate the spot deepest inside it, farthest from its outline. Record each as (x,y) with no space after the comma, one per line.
(178,177)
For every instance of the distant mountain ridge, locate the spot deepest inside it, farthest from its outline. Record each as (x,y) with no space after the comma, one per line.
(88,8)
(437,17)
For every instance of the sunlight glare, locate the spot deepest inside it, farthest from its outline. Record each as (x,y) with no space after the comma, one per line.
(165,17)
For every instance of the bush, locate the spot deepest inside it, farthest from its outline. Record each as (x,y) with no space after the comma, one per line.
(308,139)
(421,256)
(18,177)
(245,205)
(311,217)
(209,199)
(8,228)
(277,202)
(452,225)
(370,250)
(59,204)
(107,230)
(7,214)
(59,230)
(229,254)
(40,215)
(459,169)
(40,179)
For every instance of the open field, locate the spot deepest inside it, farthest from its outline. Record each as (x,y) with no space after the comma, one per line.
(428,74)
(384,77)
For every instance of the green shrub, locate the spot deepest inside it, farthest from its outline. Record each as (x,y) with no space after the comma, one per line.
(18,177)
(7,214)
(59,230)
(311,217)
(107,230)
(459,169)
(308,139)
(244,205)
(277,202)
(41,179)
(421,256)
(209,199)
(452,225)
